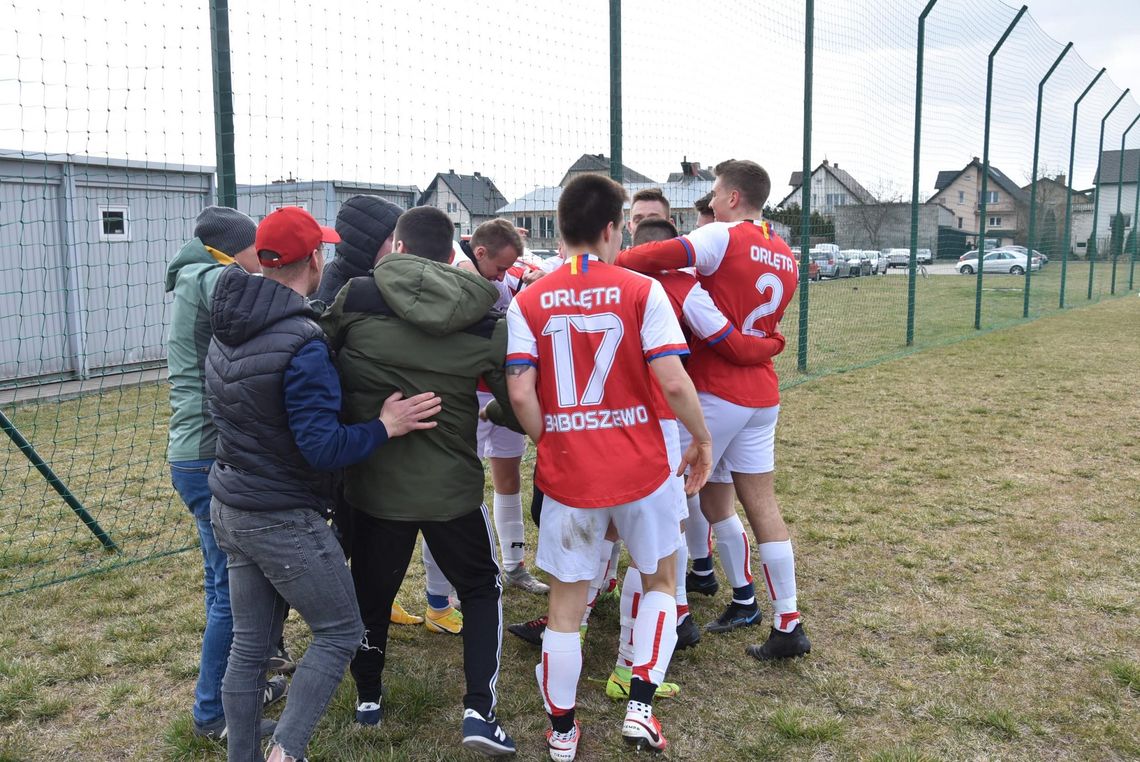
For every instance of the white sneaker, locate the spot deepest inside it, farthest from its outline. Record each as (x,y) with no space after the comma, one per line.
(563,747)
(641,728)
(522,579)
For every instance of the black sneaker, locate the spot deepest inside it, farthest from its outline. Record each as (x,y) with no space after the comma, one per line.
(275,690)
(782,645)
(688,634)
(281,662)
(530,631)
(734,617)
(705,584)
(217,730)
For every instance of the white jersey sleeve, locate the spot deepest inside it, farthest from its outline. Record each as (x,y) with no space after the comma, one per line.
(550,264)
(701,314)
(660,332)
(707,245)
(522,347)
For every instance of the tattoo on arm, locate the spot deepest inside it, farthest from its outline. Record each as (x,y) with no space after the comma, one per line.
(517,370)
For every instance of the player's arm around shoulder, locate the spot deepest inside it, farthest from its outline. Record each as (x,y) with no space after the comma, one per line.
(522,372)
(499,410)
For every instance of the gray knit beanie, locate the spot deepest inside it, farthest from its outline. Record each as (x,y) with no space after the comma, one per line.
(227,230)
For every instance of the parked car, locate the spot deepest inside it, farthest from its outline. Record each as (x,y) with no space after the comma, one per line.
(878,261)
(998,262)
(1022,250)
(971,254)
(829,263)
(858,263)
(898,257)
(923,257)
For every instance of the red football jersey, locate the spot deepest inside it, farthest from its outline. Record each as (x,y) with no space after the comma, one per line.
(591,329)
(752,276)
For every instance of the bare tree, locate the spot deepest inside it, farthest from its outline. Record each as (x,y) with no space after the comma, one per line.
(870,217)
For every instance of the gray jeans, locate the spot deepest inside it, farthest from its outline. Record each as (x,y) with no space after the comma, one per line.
(274,558)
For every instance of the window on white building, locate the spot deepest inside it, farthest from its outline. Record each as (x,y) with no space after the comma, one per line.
(995,222)
(114,224)
(452,207)
(991,197)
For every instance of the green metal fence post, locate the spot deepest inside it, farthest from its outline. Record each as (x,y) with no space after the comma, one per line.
(1033,192)
(805,187)
(615,91)
(986,166)
(223,102)
(910,292)
(29,452)
(1135,228)
(1094,248)
(1119,193)
(1068,242)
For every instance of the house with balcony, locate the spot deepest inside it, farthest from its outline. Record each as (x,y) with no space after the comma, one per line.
(1007,205)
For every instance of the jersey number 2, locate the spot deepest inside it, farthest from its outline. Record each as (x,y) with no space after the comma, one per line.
(561,330)
(772,284)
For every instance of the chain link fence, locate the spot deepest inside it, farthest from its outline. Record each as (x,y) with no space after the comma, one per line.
(941,169)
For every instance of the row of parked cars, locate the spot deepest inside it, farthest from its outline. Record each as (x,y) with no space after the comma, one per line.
(1014,260)
(829,261)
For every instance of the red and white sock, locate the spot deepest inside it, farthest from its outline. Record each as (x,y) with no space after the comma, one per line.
(509,528)
(698,533)
(559,670)
(628,606)
(600,580)
(732,542)
(654,636)
(779,566)
(681,592)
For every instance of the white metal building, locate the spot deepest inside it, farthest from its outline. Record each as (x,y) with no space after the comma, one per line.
(84,243)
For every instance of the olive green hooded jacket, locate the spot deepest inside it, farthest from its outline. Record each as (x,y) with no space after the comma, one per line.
(415,325)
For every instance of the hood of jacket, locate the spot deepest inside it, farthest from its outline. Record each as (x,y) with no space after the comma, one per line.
(363,224)
(192,253)
(436,297)
(244,305)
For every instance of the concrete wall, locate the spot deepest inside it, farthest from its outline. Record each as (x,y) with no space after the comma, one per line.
(894,229)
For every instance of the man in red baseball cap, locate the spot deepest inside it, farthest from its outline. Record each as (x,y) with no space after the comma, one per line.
(275,399)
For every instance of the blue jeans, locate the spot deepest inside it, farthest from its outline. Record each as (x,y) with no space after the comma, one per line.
(279,558)
(190,480)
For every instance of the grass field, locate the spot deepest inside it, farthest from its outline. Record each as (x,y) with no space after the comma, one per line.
(966,534)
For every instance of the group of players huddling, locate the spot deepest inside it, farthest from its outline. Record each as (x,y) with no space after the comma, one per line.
(636,444)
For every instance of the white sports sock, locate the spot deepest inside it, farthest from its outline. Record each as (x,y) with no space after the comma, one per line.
(559,670)
(509,528)
(732,542)
(628,605)
(698,535)
(681,592)
(779,565)
(612,569)
(654,636)
(434,579)
(601,578)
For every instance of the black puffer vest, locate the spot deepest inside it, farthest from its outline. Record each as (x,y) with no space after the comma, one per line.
(259,325)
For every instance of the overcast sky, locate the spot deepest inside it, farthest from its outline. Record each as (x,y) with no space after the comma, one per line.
(394,92)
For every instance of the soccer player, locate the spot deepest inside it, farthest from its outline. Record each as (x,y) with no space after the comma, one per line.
(704,211)
(751,275)
(494,253)
(583,343)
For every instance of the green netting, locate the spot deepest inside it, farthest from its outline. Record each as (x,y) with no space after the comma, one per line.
(109,148)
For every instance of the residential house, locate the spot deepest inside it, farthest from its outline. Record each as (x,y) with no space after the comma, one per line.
(598,164)
(831,188)
(536,211)
(1007,207)
(1052,194)
(84,243)
(1116,182)
(690,171)
(469,200)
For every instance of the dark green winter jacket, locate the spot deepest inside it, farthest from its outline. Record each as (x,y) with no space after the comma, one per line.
(415,325)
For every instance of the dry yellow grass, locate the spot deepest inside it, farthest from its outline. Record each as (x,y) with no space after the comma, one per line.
(965,525)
